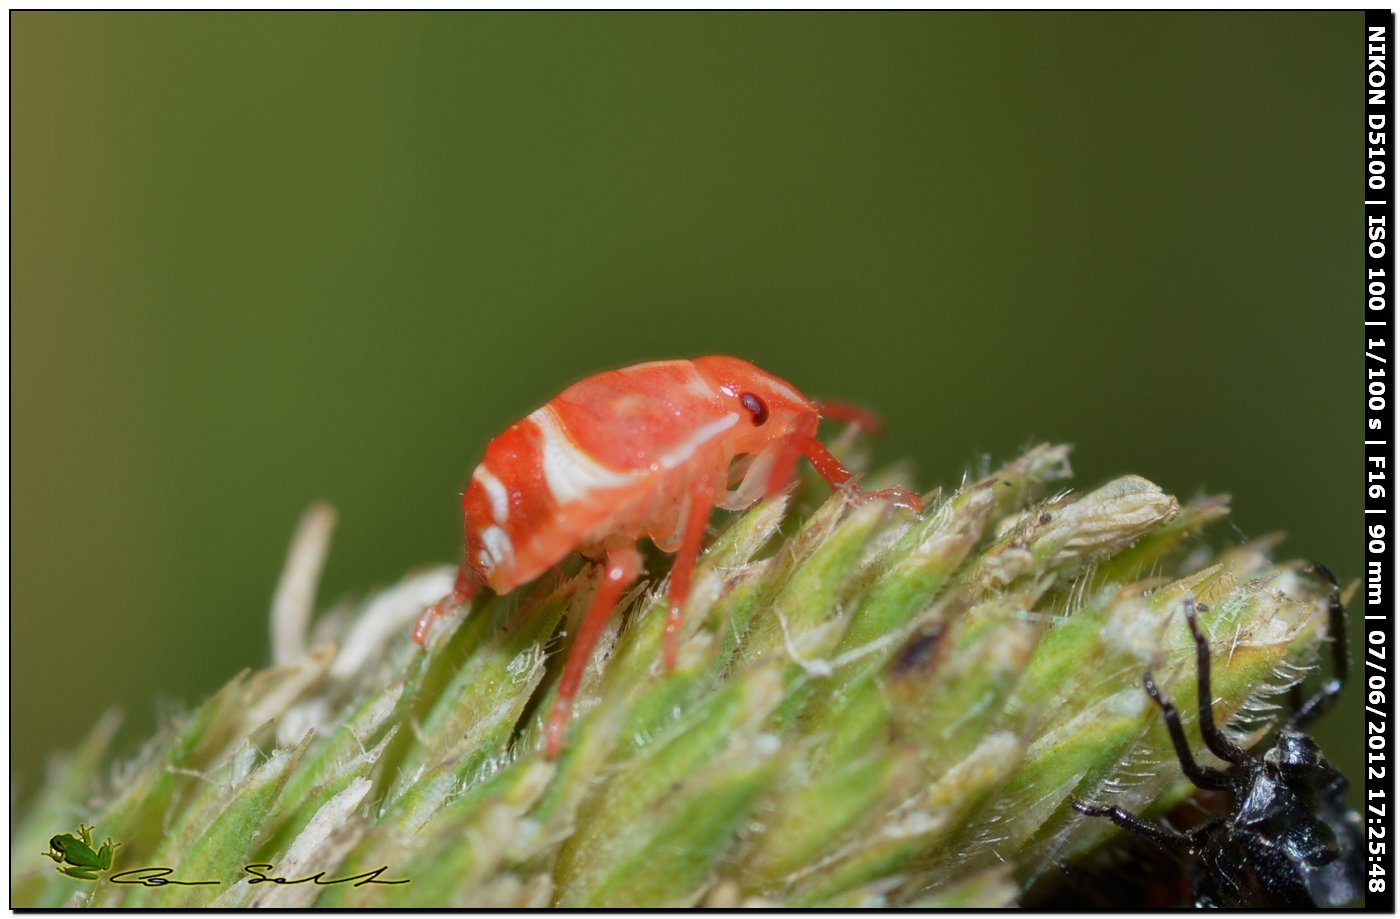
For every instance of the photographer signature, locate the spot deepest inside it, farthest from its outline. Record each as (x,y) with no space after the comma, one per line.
(160,877)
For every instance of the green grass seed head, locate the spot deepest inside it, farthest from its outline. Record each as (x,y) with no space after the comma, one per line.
(869,709)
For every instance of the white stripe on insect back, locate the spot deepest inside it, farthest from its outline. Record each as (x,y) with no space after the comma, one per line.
(786,390)
(694,383)
(570,473)
(697,385)
(495,491)
(692,443)
(496,548)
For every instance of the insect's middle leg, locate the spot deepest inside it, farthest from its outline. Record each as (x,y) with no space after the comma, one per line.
(702,498)
(620,569)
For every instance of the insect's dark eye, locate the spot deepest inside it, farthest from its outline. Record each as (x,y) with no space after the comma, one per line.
(755,406)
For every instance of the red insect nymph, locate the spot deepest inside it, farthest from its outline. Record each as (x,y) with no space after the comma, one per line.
(644,451)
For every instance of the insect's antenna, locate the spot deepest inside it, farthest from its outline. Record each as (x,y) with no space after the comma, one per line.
(1327,694)
(863,418)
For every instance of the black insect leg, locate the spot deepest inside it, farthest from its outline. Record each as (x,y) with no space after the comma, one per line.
(1200,776)
(1295,698)
(1322,700)
(1215,739)
(1167,839)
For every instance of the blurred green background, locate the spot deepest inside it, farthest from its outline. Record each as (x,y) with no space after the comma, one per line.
(261,259)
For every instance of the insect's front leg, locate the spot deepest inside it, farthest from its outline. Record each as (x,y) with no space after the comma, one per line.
(1304,713)
(784,464)
(1167,839)
(840,478)
(1200,776)
(1214,737)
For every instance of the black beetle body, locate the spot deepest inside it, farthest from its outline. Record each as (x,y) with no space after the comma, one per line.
(1289,840)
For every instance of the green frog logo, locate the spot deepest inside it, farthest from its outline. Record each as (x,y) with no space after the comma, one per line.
(76,856)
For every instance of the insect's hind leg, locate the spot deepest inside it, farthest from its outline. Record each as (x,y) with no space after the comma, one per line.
(463,590)
(1307,712)
(620,569)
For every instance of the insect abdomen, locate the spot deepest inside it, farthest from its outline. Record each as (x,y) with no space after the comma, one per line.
(533,500)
